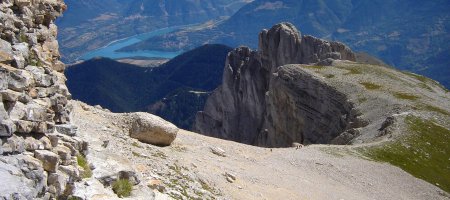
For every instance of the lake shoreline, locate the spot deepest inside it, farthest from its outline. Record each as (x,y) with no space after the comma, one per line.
(111,49)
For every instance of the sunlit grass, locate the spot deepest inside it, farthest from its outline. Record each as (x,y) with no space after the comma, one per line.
(424,153)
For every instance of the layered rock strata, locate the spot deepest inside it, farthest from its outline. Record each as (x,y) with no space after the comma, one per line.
(264,102)
(36,160)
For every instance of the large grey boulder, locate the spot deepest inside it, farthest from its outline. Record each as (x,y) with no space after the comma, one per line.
(151,129)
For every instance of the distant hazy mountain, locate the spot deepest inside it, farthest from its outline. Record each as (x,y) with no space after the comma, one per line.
(408,34)
(176,90)
(90,24)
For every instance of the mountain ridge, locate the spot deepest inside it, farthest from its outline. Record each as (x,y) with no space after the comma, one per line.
(270,98)
(53,147)
(411,38)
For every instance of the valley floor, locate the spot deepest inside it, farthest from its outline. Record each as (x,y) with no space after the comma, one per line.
(189,168)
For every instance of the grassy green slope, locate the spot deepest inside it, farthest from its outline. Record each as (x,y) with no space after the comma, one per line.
(424,152)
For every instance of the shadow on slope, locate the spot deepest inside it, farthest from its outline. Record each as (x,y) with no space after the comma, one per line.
(126,88)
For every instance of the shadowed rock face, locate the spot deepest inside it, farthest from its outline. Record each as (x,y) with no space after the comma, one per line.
(262,103)
(301,108)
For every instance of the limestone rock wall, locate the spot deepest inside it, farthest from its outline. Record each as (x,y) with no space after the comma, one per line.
(34,95)
(262,103)
(236,110)
(37,145)
(301,108)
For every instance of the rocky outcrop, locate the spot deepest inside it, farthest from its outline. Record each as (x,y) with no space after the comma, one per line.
(283,44)
(302,108)
(151,129)
(264,102)
(34,95)
(33,101)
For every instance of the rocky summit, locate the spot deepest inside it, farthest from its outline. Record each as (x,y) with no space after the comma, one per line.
(260,104)
(307,90)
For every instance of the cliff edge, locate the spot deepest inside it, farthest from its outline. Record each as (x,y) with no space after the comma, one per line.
(300,89)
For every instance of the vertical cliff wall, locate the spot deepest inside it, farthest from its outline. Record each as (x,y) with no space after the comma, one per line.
(262,103)
(38,150)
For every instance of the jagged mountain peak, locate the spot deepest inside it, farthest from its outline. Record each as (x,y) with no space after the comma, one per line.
(271,97)
(284,44)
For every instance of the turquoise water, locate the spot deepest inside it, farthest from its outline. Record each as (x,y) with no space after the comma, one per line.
(110,50)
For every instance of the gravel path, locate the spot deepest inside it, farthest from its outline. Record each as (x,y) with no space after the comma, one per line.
(313,172)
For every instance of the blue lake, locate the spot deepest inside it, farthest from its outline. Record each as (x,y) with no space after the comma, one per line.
(110,51)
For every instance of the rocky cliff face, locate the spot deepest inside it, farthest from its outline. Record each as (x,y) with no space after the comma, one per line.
(37,147)
(262,104)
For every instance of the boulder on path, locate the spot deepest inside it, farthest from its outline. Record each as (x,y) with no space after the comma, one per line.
(151,129)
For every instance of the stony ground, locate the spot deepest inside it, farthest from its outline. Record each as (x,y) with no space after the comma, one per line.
(199,167)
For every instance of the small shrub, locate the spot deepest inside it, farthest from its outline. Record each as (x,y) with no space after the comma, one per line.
(136,154)
(436,109)
(33,62)
(353,70)
(73,198)
(159,154)
(36,63)
(135,144)
(315,67)
(362,99)
(207,187)
(23,38)
(425,86)
(176,168)
(329,76)
(425,80)
(122,188)
(370,86)
(179,148)
(406,96)
(39,64)
(83,163)
(416,76)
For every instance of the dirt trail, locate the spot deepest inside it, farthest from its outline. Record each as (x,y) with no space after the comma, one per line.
(261,173)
